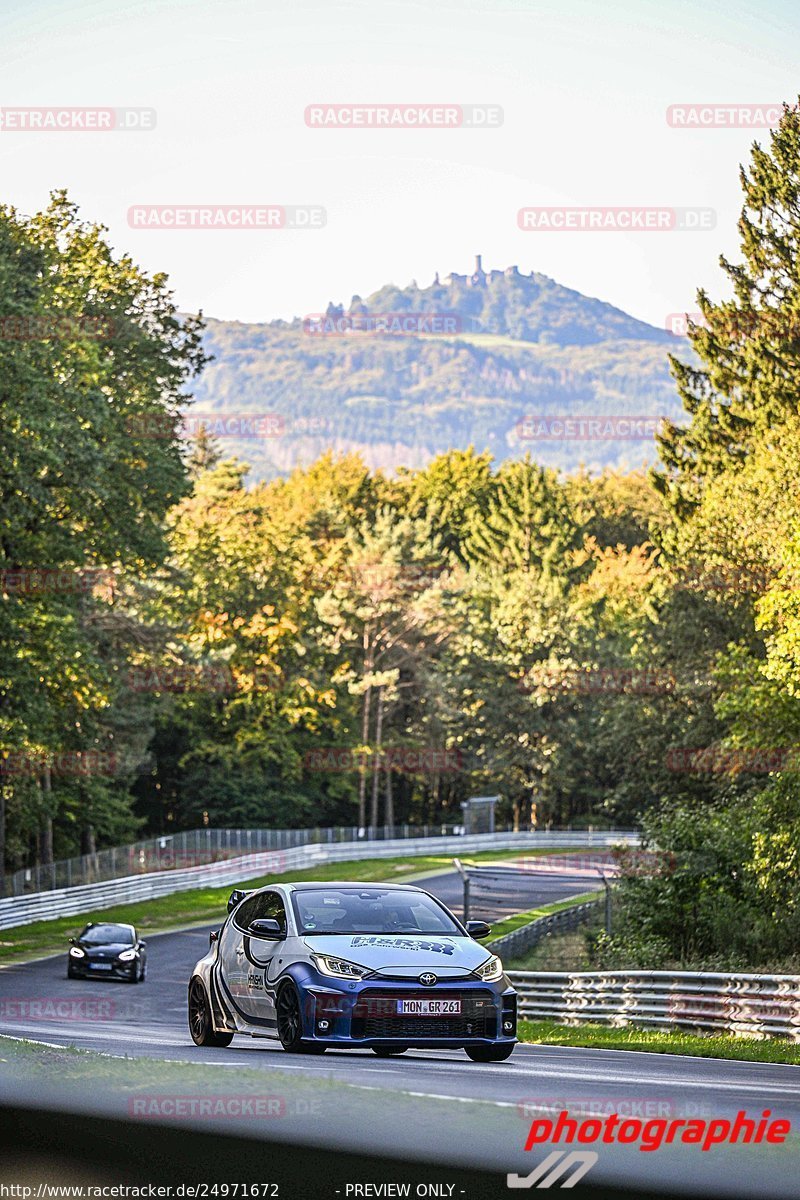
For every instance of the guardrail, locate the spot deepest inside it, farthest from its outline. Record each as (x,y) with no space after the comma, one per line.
(746,1005)
(528,936)
(196,847)
(190,848)
(67,902)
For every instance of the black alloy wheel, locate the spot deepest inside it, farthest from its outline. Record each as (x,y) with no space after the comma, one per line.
(200,1025)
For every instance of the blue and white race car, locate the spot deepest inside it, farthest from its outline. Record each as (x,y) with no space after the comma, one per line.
(381,966)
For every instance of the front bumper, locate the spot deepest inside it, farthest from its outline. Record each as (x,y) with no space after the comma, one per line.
(364,1013)
(83,968)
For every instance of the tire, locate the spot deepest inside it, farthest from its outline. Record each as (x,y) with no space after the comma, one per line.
(290,1023)
(486,1054)
(200,1026)
(388,1051)
(142,973)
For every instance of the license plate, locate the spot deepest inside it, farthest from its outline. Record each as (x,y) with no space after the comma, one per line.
(429,1008)
(102,966)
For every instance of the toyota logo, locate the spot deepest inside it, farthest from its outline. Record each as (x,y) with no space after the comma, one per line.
(428,979)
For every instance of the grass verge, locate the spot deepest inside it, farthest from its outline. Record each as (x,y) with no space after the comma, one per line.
(658,1041)
(208,904)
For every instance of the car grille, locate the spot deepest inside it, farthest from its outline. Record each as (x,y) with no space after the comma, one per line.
(373,1016)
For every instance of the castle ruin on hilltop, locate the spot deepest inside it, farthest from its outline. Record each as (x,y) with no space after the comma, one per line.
(479,277)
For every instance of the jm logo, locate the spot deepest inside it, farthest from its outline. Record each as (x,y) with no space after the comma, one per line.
(554,1167)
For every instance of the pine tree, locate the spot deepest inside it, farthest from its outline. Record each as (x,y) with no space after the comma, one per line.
(748,378)
(205,453)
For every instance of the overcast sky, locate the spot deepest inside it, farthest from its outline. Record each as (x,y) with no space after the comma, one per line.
(584,88)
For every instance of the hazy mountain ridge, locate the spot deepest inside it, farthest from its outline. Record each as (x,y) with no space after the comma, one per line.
(524,345)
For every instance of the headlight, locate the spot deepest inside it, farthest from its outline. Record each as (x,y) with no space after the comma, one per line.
(340,967)
(491,970)
(127,955)
(76,952)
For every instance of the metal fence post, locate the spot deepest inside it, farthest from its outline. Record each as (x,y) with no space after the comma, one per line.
(607,886)
(465,877)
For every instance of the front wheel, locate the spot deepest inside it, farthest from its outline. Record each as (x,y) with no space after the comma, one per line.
(489,1053)
(200,1026)
(290,1023)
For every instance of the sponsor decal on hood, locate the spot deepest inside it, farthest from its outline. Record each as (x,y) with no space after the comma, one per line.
(439,946)
(381,950)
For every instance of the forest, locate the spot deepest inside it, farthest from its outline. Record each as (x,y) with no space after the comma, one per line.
(182,646)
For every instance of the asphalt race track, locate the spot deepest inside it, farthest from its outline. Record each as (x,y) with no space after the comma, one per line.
(429,1104)
(494,895)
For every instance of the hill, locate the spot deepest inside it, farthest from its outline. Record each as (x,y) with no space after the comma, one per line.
(409,372)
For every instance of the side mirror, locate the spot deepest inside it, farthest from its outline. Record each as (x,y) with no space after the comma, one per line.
(478,929)
(236,896)
(72,941)
(268,928)
(142,945)
(213,937)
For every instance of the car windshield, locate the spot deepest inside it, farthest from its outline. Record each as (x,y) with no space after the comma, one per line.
(98,935)
(370,910)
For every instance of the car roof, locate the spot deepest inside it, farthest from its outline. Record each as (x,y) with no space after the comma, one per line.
(113,924)
(360,886)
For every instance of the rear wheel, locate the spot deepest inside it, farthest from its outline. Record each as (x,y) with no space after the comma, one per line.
(489,1053)
(200,1026)
(388,1051)
(290,1023)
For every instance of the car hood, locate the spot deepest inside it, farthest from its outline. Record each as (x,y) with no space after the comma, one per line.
(106,949)
(403,954)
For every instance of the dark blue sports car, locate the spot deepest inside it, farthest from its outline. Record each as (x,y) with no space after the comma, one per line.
(382,966)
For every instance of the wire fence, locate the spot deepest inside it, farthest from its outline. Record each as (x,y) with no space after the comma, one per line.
(200,847)
(191,848)
(230,871)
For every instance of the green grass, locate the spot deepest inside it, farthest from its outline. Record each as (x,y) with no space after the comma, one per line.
(516,920)
(39,1063)
(657,1041)
(209,904)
